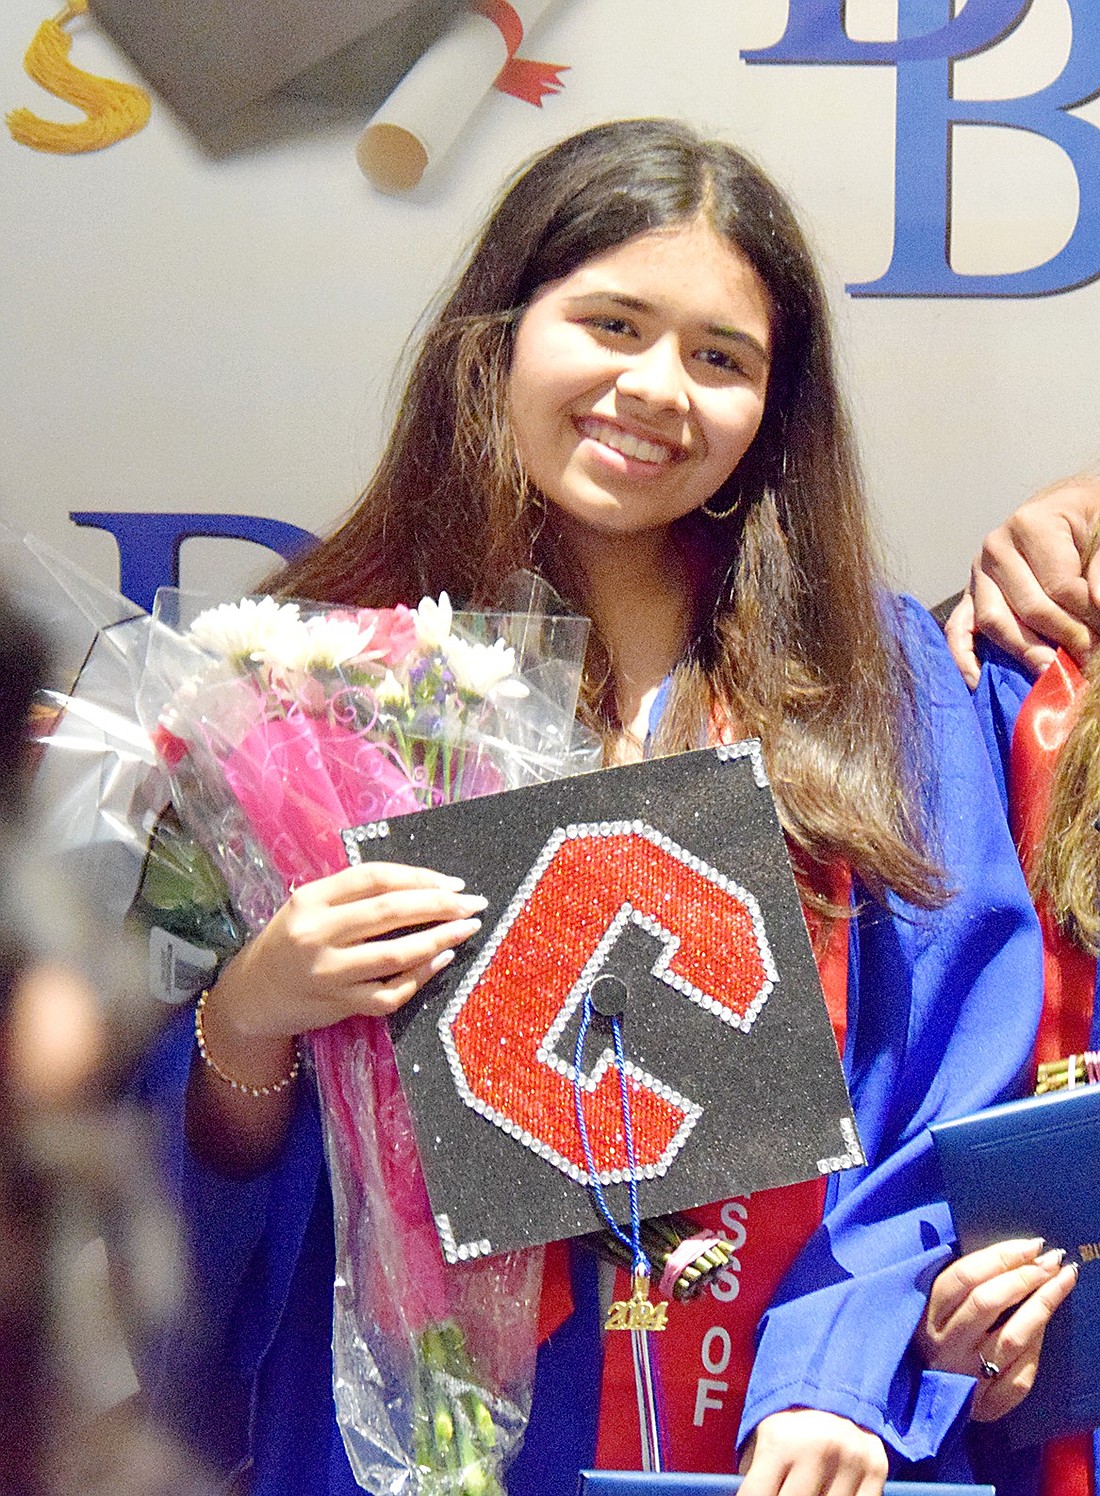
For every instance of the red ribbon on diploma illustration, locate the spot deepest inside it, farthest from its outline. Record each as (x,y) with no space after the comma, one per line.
(521,77)
(426,113)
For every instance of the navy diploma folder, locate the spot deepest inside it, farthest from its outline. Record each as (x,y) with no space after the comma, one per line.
(1032,1168)
(626,1483)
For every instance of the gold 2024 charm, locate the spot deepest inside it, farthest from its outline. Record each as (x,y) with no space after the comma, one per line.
(636,1312)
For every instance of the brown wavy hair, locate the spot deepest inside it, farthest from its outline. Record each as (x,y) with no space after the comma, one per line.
(794,638)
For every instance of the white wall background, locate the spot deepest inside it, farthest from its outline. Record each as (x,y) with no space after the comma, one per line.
(191,334)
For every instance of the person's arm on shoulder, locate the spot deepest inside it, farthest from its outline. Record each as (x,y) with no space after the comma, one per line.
(988,1311)
(1030,587)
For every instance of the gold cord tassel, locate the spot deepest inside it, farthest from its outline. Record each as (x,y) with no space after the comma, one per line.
(115,110)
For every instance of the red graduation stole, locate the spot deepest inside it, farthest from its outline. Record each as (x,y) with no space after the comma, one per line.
(1069,973)
(705,1356)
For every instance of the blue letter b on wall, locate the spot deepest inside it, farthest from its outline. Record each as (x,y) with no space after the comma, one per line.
(929,41)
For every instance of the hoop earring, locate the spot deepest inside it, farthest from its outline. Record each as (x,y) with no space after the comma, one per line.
(721,514)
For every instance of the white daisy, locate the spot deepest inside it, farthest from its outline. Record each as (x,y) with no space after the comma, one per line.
(433,621)
(483,669)
(254,628)
(332,641)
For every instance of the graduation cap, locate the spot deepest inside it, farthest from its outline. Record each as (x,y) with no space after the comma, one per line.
(213,61)
(656,898)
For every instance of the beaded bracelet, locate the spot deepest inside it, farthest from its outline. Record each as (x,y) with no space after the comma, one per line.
(239,1085)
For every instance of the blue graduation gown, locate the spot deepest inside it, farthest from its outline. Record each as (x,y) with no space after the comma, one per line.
(247,1369)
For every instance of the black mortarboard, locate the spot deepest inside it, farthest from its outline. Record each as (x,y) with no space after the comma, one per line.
(672,878)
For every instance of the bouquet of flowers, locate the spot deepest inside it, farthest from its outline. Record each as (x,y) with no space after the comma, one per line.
(280,725)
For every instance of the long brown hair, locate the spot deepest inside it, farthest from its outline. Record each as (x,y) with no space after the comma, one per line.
(793,637)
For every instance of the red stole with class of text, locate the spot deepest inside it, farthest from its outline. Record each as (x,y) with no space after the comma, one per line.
(705,1356)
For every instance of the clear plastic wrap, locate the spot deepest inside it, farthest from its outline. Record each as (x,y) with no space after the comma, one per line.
(279,726)
(202,765)
(433,1364)
(97,779)
(102,795)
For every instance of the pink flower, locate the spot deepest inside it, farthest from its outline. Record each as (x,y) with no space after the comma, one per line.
(300,780)
(394,635)
(172,749)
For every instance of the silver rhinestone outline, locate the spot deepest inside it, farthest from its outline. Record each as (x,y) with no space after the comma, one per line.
(446,1237)
(852,1158)
(747,748)
(354,837)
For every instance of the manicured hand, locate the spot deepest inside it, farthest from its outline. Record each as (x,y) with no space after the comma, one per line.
(803,1452)
(362,941)
(987,1314)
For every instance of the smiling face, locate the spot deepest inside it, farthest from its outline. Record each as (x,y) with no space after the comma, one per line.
(638,382)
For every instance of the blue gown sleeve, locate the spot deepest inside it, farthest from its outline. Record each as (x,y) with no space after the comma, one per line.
(942,1013)
(997,701)
(242,1241)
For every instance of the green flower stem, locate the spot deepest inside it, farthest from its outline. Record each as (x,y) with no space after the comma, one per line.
(454,1438)
(404,748)
(423,1452)
(432,1349)
(448,760)
(665,1232)
(431,755)
(482,1421)
(443,1426)
(475,1478)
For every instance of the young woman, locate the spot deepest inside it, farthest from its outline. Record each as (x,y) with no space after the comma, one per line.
(631,388)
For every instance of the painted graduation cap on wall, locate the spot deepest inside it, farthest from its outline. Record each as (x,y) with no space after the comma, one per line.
(665,891)
(214,60)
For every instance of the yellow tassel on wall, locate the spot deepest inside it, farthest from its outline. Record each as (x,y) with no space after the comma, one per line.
(115,110)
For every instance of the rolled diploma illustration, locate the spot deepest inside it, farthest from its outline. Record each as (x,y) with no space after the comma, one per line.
(429,108)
